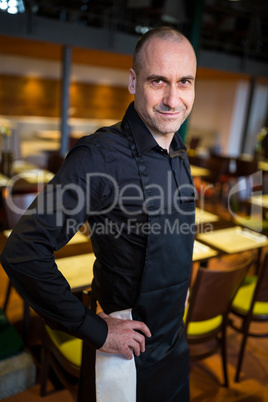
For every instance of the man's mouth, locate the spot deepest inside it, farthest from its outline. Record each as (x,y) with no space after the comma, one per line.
(170,115)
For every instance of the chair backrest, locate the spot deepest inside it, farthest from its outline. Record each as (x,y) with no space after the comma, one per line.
(261,291)
(54,161)
(213,291)
(15,205)
(218,166)
(245,167)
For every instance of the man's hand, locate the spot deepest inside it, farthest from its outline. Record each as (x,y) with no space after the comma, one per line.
(123,337)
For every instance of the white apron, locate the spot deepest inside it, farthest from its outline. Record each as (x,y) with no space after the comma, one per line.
(112,370)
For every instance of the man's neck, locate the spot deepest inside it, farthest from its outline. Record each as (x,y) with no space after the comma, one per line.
(163,140)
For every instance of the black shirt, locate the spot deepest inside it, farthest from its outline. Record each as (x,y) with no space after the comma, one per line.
(99,183)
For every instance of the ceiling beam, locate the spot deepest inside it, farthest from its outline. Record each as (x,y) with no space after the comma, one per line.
(108,48)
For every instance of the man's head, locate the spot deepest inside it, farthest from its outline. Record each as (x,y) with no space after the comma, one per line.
(162,79)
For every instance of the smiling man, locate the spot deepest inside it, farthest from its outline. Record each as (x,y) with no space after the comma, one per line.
(162,80)
(132,183)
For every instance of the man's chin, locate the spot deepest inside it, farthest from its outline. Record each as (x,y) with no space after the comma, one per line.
(169,129)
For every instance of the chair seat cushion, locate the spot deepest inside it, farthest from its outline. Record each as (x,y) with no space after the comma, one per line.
(244,296)
(72,350)
(202,327)
(69,346)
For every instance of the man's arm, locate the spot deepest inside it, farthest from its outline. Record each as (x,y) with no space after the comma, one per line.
(28,255)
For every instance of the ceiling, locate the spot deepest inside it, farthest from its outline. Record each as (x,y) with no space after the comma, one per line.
(238,29)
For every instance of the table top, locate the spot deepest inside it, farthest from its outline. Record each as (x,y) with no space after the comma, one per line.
(3,180)
(21,165)
(78,270)
(31,173)
(199,171)
(202,252)
(263,165)
(202,216)
(234,240)
(78,245)
(261,200)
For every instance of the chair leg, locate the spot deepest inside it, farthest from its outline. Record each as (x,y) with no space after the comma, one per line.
(44,370)
(224,358)
(241,355)
(7,295)
(26,322)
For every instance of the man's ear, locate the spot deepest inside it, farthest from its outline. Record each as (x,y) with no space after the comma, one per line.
(132,82)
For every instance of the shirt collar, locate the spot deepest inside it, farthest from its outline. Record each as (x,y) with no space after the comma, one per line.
(143,138)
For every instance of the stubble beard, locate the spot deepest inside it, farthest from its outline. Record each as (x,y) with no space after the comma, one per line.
(165,128)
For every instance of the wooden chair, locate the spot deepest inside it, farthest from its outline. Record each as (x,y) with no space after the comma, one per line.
(214,182)
(54,161)
(250,305)
(14,207)
(245,168)
(207,311)
(63,353)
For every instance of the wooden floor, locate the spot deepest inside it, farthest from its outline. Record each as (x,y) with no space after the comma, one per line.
(206,375)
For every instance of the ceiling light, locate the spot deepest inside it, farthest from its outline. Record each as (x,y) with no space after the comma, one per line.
(12,6)
(21,7)
(12,3)
(3,5)
(12,10)
(142,30)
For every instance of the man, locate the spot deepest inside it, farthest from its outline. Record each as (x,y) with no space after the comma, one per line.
(132,183)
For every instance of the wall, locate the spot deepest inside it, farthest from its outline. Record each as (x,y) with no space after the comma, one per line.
(30,86)
(213,109)
(32,96)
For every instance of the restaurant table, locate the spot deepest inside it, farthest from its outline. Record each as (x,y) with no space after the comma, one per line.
(75,261)
(79,244)
(234,239)
(260,200)
(30,172)
(26,178)
(197,171)
(263,165)
(78,270)
(203,252)
(3,180)
(202,216)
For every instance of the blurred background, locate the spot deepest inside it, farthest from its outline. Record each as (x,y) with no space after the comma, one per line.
(64,69)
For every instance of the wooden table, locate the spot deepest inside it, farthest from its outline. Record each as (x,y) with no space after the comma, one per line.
(78,270)
(263,165)
(260,200)
(202,216)
(31,173)
(197,171)
(26,177)
(79,244)
(203,252)
(3,180)
(234,240)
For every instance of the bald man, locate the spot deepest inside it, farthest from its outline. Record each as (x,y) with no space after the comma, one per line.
(131,182)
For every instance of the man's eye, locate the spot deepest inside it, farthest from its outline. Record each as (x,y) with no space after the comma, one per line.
(157,82)
(184,82)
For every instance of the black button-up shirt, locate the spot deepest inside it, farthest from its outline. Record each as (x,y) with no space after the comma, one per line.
(99,183)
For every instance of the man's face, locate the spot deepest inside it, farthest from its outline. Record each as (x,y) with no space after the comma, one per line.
(164,87)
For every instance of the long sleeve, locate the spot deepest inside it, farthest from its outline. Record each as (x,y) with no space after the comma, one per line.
(28,257)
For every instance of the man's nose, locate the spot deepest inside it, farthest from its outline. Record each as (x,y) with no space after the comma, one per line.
(172,98)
